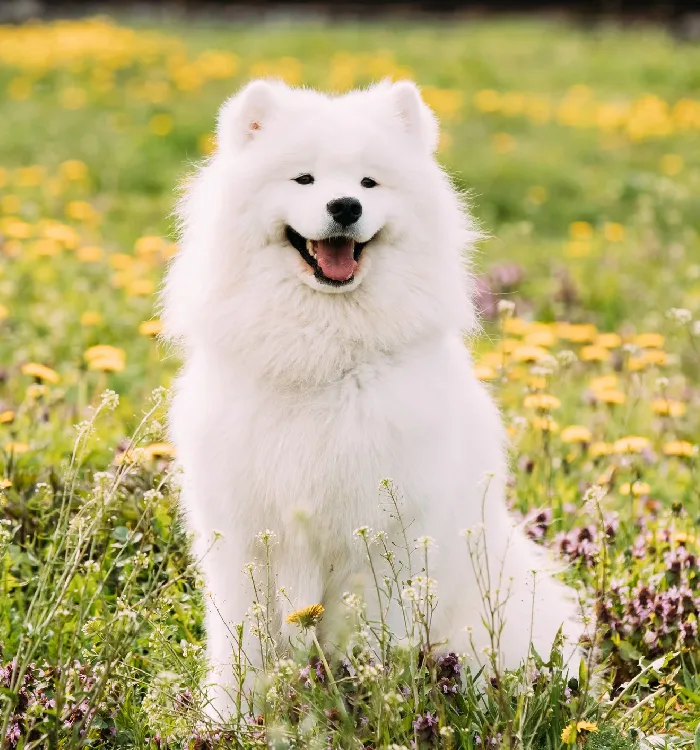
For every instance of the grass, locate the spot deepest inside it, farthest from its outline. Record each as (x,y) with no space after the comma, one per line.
(578,148)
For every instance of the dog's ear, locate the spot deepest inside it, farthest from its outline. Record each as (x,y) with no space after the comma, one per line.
(243,116)
(415,115)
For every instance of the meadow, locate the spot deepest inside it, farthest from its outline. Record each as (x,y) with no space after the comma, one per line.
(580,152)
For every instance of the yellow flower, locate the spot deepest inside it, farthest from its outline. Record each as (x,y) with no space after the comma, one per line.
(150,327)
(4,312)
(100,351)
(140,287)
(120,261)
(16,448)
(667,407)
(542,401)
(5,484)
(529,353)
(73,170)
(40,372)
(683,538)
(483,372)
(568,735)
(508,345)
(604,383)
(6,417)
(540,337)
(600,449)
(545,424)
(631,444)
(515,326)
(491,359)
(580,230)
(637,489)
(161,124)
(89,253)
(593,353)
(159,450)
(613,232)
(587,726)
(655,357)
(579,333)
(80,211)
(649,340)
(610,396)
(672,448)
(306,617)
(90,318)
(148,245)
(576,434)
(608,340)
(107,364)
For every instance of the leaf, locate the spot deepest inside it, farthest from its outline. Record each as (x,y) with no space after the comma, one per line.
(629,652)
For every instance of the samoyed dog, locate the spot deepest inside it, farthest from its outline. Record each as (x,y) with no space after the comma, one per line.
(321,300)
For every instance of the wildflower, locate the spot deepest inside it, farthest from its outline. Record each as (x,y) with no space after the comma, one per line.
(514,326)
(90,318)
(679,315)
(677,448)
(566,358)
(651,357)
(611,397)
(107,364)
(545,424)
(649,340)
(542,402)
(40,372)
(576,434)
(577,333)
(529,353)
(6,417)
(362,532)
(159,450)
(150,327)
(638,489)
(593,353)
(89,253)
(631,444)
(307,617)
(603,383)
(505,308)
(668,408)
(16,448)
(484,372)
(608,340)
(580,230)
(613,232)
(148,245)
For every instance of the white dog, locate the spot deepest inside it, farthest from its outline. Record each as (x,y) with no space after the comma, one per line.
(321,299)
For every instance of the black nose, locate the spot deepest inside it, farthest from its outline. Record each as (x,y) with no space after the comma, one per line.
(345,211)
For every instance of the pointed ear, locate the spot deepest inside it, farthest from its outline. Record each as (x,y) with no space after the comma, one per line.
(243,116)
(415,115)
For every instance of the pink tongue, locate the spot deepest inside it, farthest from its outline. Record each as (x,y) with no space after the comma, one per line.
(336,259)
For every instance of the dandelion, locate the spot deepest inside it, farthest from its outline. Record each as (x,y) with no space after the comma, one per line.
(637,489)
(529,353)
(668,408)
(600,449)
(40,372)
(611,397)
(484,372)
(608,340)
(649,340)
(545,424)
(576,434)
(679,448)
(159,450)
(16,448)
(631,444)
(308,617)
(542,402)
(593,353)
(7,417)
(150,327)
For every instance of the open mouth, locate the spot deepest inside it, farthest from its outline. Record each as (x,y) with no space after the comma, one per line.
(333,260)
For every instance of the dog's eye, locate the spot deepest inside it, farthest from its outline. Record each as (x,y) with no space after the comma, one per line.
(304,179)
(368,182)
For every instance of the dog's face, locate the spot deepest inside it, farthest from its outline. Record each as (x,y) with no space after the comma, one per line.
(321,231)
(329,181)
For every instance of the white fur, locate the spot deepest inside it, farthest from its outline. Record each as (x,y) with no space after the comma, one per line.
(297,399)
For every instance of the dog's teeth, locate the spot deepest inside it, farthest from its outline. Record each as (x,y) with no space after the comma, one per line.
(310,248)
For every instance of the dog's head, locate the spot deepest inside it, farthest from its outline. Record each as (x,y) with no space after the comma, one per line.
(312,199)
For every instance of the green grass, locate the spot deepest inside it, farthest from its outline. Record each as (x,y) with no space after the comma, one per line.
(578,149)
